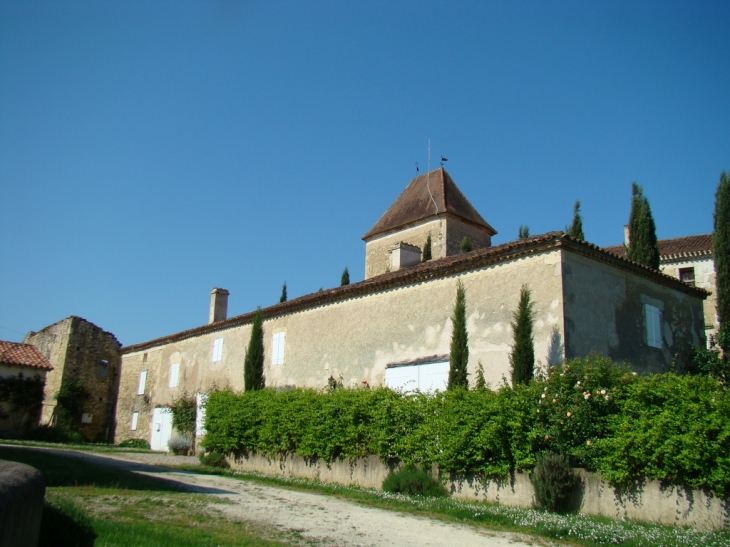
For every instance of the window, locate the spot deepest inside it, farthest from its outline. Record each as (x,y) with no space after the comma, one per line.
(102,368)
(687,275)
(653,326)
(426,377)
(174,374)
(135,418)
(217,350)
(142,382)
(277,348)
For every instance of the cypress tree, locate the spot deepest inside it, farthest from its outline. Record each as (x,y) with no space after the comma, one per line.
(523,232)
(426,256)
(253,364)
(282,298)
(481,383)
(345,280)
(459,355)
(466,245)
(643,247)
(576,228)
(522,357)
(721,254)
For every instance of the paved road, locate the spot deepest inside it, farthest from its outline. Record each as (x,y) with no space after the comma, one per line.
(318,519)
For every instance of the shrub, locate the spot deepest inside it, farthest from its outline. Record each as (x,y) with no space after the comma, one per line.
(184,412)
(180,444)
(134,443)
(553,479)
(24,398)
(50,434)
(71,398)
(414,482)
(214,459)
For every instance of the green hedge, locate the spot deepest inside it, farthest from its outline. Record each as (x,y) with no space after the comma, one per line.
(599,414)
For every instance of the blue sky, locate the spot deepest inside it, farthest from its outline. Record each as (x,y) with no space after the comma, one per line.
(150,151)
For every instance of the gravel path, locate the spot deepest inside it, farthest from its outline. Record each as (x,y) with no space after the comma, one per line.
(318,519)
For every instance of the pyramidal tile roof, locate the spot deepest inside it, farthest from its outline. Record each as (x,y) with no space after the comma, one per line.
(676,248)
(427,195)
(25,355)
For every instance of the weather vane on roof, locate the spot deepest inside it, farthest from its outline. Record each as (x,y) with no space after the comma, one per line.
(443,159)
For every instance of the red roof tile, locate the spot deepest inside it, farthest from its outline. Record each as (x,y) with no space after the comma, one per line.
(426,196)
(676,248)
(24,355)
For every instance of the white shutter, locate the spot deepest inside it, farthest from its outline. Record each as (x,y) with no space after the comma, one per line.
(135,418)
(217,350)
(174,374)
(201,400)
(653,326)
(277,348)
(142,382)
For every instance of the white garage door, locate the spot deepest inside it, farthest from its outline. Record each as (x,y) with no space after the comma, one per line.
(427,378)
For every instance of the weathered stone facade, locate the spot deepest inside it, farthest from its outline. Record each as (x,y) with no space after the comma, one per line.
(81,352)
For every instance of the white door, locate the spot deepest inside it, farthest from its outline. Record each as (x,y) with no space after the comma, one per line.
(161,429)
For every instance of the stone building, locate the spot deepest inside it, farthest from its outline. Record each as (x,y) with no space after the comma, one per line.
(81,352)
(394,328)
(20,360)
(689,259)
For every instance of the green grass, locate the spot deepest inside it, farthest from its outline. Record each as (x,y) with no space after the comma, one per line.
(119,508)
(86,447)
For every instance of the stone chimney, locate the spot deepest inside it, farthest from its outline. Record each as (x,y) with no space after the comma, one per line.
(402,255)
(627,235)
(218,305)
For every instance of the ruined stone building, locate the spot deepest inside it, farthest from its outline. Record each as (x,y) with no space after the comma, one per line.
(394,327)
(81,352)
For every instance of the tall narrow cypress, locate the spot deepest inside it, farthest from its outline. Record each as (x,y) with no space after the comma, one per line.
(283,296)
(426,256)
(522,357)
(643,247)
(459,355)
(345,279)
(576,228)
(721,254)
(466,245)
(253,364)
(523,232)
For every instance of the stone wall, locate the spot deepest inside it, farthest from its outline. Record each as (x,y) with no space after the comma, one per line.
(81,352)
(652,501)
(705,278)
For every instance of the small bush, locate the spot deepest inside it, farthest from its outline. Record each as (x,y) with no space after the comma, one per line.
(414,482)
(50,434)
(553,480)
(180,444)
(65,524)
(214,459)
(134,443)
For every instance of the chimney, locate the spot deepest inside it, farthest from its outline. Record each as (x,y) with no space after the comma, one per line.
(627,235)
(218,305)
(402,255)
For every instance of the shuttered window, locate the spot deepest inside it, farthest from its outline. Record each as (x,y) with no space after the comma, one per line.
(142,382)
(653,326)
(135,418)
(277,348)
(174,374)
(217,350)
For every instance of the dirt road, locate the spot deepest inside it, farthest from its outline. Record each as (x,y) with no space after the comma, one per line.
(318,519)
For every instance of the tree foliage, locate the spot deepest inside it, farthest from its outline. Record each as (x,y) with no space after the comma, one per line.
(523,232)
(576,228)
(480,384)
(459,354)
(466,245)
(721,254)
(283,296)
(345,279)
(23,398)
(426,255)
(643,247)
(71,398)
(522,357)
(184,413)
(253,365)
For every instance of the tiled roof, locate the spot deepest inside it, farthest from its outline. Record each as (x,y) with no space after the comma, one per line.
(24,355)
(678,248)
(416,203)
(433,269)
